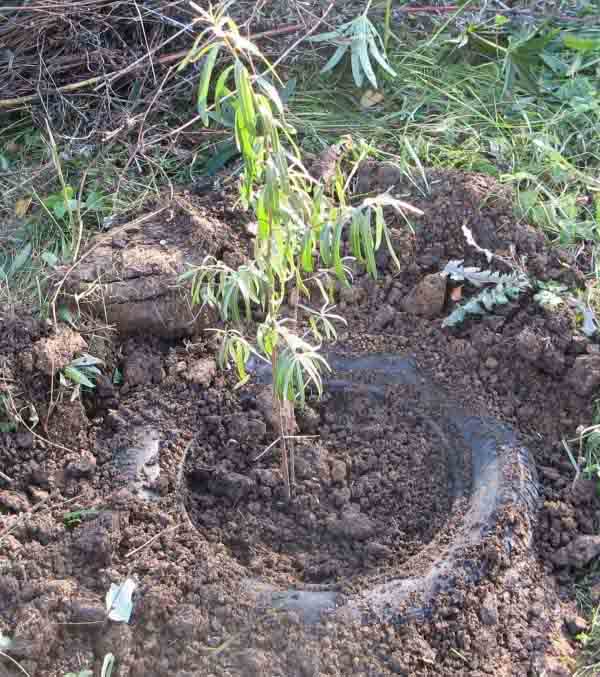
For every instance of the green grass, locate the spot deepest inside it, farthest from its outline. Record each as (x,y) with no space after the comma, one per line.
(453,112)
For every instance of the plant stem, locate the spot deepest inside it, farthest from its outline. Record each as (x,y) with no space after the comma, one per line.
(387,24)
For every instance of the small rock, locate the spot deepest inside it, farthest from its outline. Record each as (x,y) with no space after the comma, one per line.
(54,353)
(89,614)
(353,295)
(354,525)
(338,471)
(528,346)
(491,363)
(384,317)
(341,497)
(142,367)
(579,344)
(379,551)
(549,473)
(96,539)
(583,492)
(428,297)
(311,462)
(308,420)
(202,372)
(11,500)
(37,494)
(242,428)
(233,485)
(264,403)
(254,663)
(114,421)
(399,664)
(24,439)
(84,466)
(554,668)
(578,553)
(188,621)
(595,593)
(489,609)
(584,376)
(270,478)
(575,624)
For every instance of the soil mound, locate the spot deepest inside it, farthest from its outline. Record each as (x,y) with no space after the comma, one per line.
(75,520)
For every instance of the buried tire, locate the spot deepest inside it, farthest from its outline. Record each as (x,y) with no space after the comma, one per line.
(487,519)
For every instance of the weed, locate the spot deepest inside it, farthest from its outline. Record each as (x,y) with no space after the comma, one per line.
(361,39)
(8,423)
(82,371)
(76,517)
(590,641)
(106,670)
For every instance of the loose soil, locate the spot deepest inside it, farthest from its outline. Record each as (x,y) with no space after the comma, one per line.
(373,487)
(201,526)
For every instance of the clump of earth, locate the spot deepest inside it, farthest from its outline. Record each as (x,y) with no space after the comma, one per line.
(157,470)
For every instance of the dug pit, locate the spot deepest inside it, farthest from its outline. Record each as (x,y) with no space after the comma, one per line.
(395,487)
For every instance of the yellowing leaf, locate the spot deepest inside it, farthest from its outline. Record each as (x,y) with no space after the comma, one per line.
(371,98)
(22,206)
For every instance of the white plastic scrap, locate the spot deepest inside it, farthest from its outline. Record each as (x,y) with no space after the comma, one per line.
(118,601)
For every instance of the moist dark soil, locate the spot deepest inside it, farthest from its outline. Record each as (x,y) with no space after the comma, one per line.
(156,469)
(371,486)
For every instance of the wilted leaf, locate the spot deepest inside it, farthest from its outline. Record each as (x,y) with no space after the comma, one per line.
(22,206)
(107,665)
(371,98)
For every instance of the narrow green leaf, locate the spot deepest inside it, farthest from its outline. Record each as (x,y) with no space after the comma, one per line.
(207,69)
(20,259)
(367,241)
(390,247)
(307,252)
(241,357)
(357,73)
(379,226)
(581,43)
(381,60)
(246,96)
(325,243)
(366,64)
(337,256)
(221,89)
(355,243)
(272,93)
(326,37)
(335,58)
(107,665)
